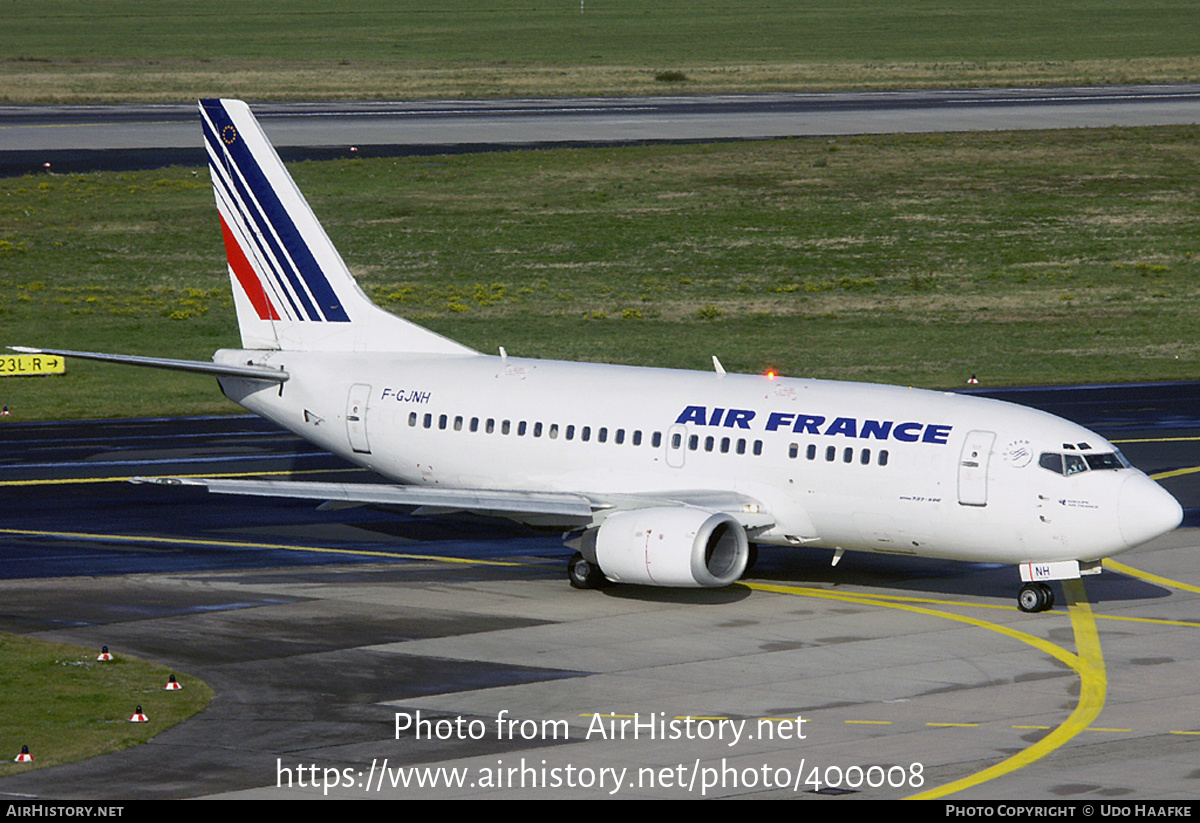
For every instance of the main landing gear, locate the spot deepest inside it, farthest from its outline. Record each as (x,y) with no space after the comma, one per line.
(585,575)
(1035,597)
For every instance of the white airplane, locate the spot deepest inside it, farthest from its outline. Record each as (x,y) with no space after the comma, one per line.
(659,477)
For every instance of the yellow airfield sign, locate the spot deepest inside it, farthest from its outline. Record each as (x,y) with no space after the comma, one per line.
(28,365)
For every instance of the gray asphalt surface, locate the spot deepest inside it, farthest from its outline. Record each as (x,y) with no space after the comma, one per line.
(75,138)
(315,649)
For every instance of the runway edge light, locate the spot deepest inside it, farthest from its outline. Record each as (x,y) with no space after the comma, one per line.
(24,756)
(138,717)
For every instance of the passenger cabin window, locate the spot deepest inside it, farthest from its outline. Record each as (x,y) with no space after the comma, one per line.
(1066,462)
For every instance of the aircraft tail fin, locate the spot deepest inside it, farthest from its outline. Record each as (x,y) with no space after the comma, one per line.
(291,288)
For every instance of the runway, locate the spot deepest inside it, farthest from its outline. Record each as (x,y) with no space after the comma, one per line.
(319,630)
(86,138)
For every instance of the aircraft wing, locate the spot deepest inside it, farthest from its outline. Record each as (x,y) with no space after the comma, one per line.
(540,507)
(483,501)
(745,509)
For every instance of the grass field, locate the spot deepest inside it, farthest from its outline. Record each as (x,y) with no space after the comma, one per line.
(1024,257)
(118,50)
(58,700)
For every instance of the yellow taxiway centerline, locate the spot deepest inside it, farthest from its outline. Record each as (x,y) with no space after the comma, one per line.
(1088,663)
(234,544)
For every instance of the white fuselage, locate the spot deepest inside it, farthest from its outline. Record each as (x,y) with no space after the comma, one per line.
(658,477)
(839,465)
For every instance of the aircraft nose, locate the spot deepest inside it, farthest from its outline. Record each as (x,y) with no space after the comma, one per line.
(1146,510)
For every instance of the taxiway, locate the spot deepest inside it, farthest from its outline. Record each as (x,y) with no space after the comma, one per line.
(319,629)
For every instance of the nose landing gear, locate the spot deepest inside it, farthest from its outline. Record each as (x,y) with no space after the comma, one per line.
(1035,597)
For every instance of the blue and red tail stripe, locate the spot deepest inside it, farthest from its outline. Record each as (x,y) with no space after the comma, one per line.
(245,275)
(267,234)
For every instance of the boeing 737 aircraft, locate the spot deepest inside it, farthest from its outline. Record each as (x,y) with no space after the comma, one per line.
(658,477)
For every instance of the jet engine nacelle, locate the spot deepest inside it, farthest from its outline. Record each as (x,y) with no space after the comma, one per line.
(672,546)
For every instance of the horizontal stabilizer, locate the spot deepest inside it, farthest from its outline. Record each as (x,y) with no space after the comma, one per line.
(250,372)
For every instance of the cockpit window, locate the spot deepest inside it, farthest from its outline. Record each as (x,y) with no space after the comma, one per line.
(1108,460)
(1074,464)
(1068,464)
(1051,461)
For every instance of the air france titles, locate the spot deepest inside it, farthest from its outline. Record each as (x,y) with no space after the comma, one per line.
(909,431)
